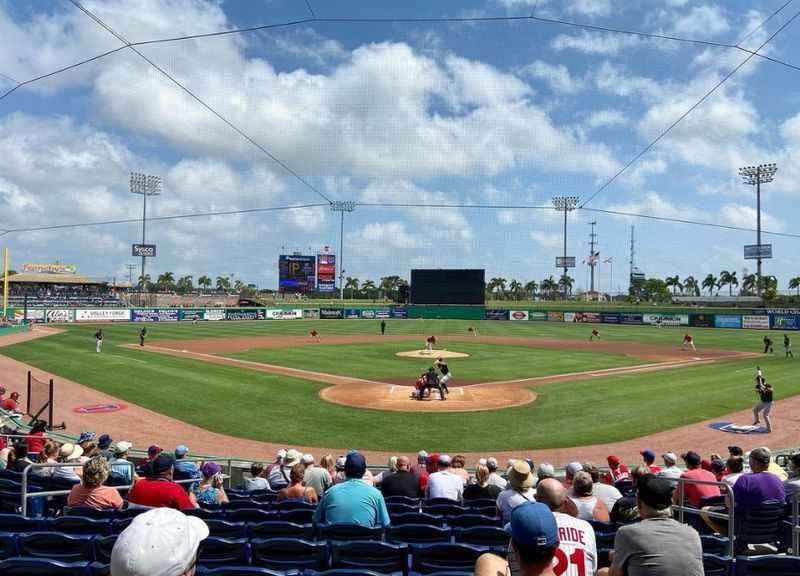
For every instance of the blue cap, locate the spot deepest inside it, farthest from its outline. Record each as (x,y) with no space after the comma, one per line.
(85,437)
(648,454)
(355,465)
(533,525)
(181,450)
(104,441)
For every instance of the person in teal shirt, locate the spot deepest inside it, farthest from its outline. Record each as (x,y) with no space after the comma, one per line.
(353,501)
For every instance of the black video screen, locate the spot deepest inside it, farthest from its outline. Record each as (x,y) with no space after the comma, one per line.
(447,286)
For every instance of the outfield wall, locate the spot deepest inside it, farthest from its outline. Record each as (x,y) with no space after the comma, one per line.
(767,319)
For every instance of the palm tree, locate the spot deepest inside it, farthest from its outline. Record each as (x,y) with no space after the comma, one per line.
(144,282)
(204,281)
(709,283)
(548,286)
(749,284)
(352,285)
(497,285)
(732,281)
(673,281)
(238,285)
(727,279)
(369,288)
(165,281)
(565,282)
(531,288)
(223,283)
(184,284)
(690,284)
(794,284)
(515,287)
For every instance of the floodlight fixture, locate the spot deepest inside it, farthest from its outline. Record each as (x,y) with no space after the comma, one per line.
(565,204)
(756,176)
(342,206)
(146,185)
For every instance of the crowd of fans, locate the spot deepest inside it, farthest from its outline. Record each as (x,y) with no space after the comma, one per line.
(66,296)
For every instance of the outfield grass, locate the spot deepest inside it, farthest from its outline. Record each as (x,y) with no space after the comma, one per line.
(486,363)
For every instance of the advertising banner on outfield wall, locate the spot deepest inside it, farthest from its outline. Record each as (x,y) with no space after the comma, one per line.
(555,316)
(399,312)
(755,322)
(631,319)
(352,313)
(537,315)
(785,321)
(666,319)
(331,313)
(383,313)
(154,315)
(103,315)
(727,321)
(703,320)
(281,314)
(191,314)
(33,315)
(215,314)
(518,315)
(368,313)
(244,314)
(60,316)
(310,313)
(497,314)
(582,317)
(610,318)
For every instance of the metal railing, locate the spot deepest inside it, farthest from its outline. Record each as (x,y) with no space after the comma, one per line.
(683,509)
(795,501)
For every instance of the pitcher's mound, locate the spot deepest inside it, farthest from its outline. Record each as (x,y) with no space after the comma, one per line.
(432,354)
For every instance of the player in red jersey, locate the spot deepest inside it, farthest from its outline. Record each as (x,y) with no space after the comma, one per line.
(688,341)
(430,342)
(314,335)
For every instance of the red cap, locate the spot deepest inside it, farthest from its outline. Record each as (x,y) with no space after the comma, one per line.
(613,461)
(705,464)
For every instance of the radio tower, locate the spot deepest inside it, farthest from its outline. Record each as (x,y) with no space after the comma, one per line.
(592,257)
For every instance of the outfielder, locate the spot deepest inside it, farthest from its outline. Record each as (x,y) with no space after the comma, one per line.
(688,341)
(98,336)
(595,334)
(472,330)
(444,370)
(430,341)
(142,335)
(768,345)
(314,335)
(787,346)
(764,406)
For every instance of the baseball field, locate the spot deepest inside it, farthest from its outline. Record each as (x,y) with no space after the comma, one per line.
(522,385)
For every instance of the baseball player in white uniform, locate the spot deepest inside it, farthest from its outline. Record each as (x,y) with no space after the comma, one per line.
(444,370)
(98,336)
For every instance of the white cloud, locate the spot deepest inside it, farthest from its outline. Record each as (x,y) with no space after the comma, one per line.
(596,43)
(545,239)
(613,79)
(557,76)
(745,216)
(584,7)
(507,216)
(607,117)
(654,203)
(702,21)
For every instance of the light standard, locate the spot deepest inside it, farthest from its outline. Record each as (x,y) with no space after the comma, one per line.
(146,185)
(342,206)
(565,204)
(610,260)
(755,176)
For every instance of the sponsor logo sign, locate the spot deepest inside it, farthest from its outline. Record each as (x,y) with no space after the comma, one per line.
(754,251)
(537,315)
(103,315)
(399,313)
(497,314)
(154,315)
(518,315)
(785,322)
(555,316)
(630,319)
(191,314)
(703,320)
(760,322)
(331,313)
(565,261)
(326,272)
(59,316)
(727,321)
(368,313)
(34,314)
(667,319)
(311,313)
(49,268)
(276,314)
(352,313)
(146,250)
(244,314)
(587,317)
(383,313)
(215,314)
(791,311)
(610,318)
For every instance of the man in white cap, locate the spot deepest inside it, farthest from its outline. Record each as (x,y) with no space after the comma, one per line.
(279,476)
(494,478)
(279,456)
(445,484)
(419,469)
(569,472)
(160,542)
(317,478)
(119,463)
(670,469)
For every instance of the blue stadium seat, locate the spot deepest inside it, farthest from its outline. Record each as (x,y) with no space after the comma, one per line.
(265,497)
(225,529)
(349,532)
(769,565)
(289,554)
(132,511)
(446,510)
(238,571)
(279,529)
(17,523)
(493,536)
(369,555)
(418,534)
(490,510)
(8,545)
(605,539)
(296,516)
(343,572)
(417,518)
(715,544)
(204,514)
(401,508)
(102,547)
(216,551)
(57,546)
(402,500)
(295,505)
(249,515)
(240,504)
(760,525)
(119,524)
(480,502)
(470,520)
(87,512)
(42,567)
(428,558)
(426,502)
(79,525)
(99,569)
(717,565)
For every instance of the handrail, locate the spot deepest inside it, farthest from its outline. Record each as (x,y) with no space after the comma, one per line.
(795,527)
(729,516)
(25,494)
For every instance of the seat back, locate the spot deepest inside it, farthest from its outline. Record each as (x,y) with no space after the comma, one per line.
(482,536)
(717,565)
(417,518)
(298,516)
(215,551)
(295,505)
(226,529)
(349,532)
(370,555)
(289,554)
(418,534)
(56,546)
(8,545)
(42,567)
(429,558)
(17,523)
(240,571)
(715,544)
(280,529)
(79,525)
(768,565)
(102,547)
(401,508)
(470,520)
(249,515)
(403,500)
(447,510)
(759,524)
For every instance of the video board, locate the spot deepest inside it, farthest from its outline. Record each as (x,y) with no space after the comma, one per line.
(326,273)
(447,286)
(296,274)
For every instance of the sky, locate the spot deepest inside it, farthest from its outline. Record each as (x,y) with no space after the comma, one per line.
(468,114)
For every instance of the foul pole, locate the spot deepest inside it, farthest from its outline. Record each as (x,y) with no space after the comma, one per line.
(5,283)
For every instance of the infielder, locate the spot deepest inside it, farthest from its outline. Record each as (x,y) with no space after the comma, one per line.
(688,341)
(472,330)
(787,346)
(764,406)
(768,345)
(444,370)
(314,335)
(430,341)
(142,335)
(759,376)
(98,336)
(595,334)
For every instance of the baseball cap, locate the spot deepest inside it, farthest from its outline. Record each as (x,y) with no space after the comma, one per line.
(691,458)
(735,450)
(613,460)
(433,458)
(670,457)
(340,463)
(292,457)
(211,469)
(281,453)
(154,450)
(445,459)
(159,542)
(307,459)
(545,469)
(104,441)
(181,450)
(519,475)
(422,456)
(355,465)
(655,491)
(573,468)
(163,462)
(648,454)
(122,446)
(85,437)
(533,525)
(717,465)
(482,462)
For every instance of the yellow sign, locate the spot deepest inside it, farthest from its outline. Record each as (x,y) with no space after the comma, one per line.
(50,268)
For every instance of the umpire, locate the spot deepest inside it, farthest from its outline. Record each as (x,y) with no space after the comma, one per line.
(432,381)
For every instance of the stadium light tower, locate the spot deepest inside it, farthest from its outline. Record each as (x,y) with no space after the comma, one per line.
(756,176)
(565,204)
(342,206)
(146,185)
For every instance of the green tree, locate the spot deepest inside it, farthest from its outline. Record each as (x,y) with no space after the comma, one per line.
(497,286)
(530,289)
(368,287)
(674,282)
(691,286)
(655,290)
(184,285)
(749,284)
(549,286)
(794,284)
(204,281)
(515,286)
(223,284)
(709,283)
(145,283)
(565,283)
(728,279)
(238,285)
(352,285)
(165,281)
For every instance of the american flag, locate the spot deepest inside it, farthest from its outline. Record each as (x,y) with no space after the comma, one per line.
(592,258)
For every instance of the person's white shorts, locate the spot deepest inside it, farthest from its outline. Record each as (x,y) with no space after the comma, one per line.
(446,378)
(764,408)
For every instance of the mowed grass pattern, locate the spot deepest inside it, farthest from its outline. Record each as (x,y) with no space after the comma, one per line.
(261,406)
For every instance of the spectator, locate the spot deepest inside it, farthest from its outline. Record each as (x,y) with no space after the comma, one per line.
(157,489)
(279,456)
(36,437)
(104,444)
(735,451)
(605,492)
(545,471)
(792,485)
(445,484)
(353,501)
(658,545)
(618,470)
(534,543)
(20,458)
(458,468)
(692,492)
(735,467)
(11,404)
(256,480)
(431,466)
(494,478)
(759,486)
(211,490)
(90,450)
(119,464)
(590,507)
(574,533)
(718,468)
(670,470)
(152,453)
(649,459)
(328,463)
(519,491)
(402,482)
(625,510)
(69,454)
(316,477)
(280,475)
(569,472)
(48,455)
(295,490)
(186,469)
(420,467)
(91,493)
(159,542)
(774,468)
(339,475)
(481,488)
(392,468)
